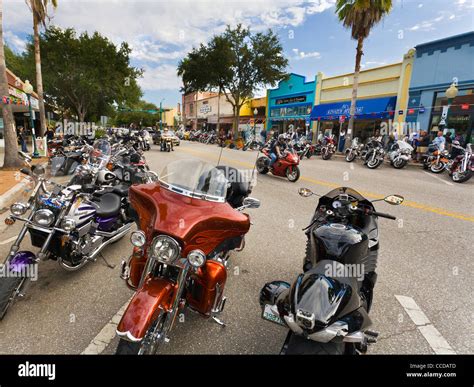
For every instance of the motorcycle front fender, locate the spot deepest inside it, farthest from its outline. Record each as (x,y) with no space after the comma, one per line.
(20,262)
(156,294)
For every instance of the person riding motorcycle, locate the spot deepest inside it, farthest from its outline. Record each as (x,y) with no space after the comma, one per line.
(277,148)
(164,135)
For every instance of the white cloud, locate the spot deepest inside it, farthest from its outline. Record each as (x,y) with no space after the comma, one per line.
(161,77)
(14,41)
(298,55)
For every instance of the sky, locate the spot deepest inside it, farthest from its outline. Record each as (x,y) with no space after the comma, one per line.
(160,33)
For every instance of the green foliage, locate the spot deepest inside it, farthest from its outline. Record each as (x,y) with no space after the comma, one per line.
(85,74)
(360,16)
(142,112)
(236,63)
(20,64)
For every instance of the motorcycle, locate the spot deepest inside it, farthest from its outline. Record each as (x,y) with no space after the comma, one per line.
(304,148)
(436,159)
(356,150)
(177,265)
(400,154)
(461,167)
(285,166)
(375,154)
(328,147)
(327,308)
(66,224)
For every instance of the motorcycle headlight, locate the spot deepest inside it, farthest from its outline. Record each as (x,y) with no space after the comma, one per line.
(68,224)
(196,258)
(165,249)
(138,239)
(18,209)
(43,217)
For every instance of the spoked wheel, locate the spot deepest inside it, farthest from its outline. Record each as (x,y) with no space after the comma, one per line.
(154,338)
(293,173)
(350,157)
(461,177)
(262,166)
(399,163)
(437,167)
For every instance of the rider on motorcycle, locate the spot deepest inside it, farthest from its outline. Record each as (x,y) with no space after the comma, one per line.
(277,148)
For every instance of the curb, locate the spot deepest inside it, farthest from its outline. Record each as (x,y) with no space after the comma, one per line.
(9,197)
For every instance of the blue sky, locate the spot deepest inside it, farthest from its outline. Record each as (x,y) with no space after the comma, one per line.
(162,32)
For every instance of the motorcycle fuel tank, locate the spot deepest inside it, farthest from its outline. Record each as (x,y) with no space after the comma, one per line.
(340,242)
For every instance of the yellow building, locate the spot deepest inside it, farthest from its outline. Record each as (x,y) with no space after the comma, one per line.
(382,99)
(170,117)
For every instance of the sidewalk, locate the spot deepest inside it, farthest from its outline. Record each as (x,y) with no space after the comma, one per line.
(13,183)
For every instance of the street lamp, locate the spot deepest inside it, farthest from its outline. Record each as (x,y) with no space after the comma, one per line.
(161,114)
(28,89)
(451,93)
(255,112)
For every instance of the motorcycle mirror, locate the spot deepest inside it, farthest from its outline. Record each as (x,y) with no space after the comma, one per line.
(394,200)
(305,192)
(251,202)
(38,170)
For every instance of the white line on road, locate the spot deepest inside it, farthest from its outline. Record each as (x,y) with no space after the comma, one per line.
(437,342)
(106,335)
(8,240)
(439,179)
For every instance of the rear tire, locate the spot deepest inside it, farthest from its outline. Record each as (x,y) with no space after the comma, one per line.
(461,178)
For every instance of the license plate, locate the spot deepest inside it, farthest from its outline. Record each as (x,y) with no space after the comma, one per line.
(271,315)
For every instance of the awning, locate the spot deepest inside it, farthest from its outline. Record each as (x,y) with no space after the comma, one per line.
(365,109)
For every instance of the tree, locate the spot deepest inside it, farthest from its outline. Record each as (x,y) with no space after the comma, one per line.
(39,9)
(142,112)
(360,16)
(86,74)
(11,159)
(235,63)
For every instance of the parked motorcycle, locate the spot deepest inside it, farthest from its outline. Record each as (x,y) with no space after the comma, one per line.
(287,166)
(375,154)
(66,224)
(461,167)
(327,308)
(436,159)
(356,150)
(400,154)
(304,148)
(177,264)
(328,147)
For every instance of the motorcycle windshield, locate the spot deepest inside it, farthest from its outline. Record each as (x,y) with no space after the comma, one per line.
(195,178)
(404,145)
(100,154)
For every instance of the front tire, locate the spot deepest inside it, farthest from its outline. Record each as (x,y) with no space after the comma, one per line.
(399,164)
(298,345)
(293,173)
(8,287)
(262,166)
(438,167)
(350,157)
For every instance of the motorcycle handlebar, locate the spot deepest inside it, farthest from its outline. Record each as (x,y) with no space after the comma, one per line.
(383,215)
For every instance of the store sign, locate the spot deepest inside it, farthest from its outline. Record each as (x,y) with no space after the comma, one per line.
(465,106)
(282,101)
(345,110)
(205,109)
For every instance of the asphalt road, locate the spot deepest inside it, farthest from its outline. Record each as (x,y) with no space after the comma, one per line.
(425,255)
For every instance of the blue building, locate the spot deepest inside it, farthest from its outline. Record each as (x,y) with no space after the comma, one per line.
(290,104)
(437,65)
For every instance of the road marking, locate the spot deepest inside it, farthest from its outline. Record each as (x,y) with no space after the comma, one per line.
(369,195)
(437,178)
(8,240)
(106,335)
(437,342)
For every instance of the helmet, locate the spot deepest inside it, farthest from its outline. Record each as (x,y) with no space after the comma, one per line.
(281,138)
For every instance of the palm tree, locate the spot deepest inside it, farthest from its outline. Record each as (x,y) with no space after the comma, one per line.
(11,159)
(39,8)
(360,16)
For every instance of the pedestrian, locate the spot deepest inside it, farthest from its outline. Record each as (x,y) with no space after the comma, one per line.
(342,140)
(448,140)
(22,138)
(49,133)
(423,144)
(263,135)
(440,141)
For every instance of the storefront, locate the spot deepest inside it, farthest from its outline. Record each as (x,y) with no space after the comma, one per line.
(289,105)
(370,113)
(18,100)
(437,66)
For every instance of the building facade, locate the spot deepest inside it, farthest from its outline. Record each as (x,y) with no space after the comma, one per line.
(289,105)
(437,65)
(382,98)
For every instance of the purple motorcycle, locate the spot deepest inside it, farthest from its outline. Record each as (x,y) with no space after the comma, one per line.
(66,224)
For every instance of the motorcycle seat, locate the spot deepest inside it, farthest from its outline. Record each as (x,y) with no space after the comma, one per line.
(121,190)
(108,205)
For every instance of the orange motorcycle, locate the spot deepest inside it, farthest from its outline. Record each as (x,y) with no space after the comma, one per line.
(189,222)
